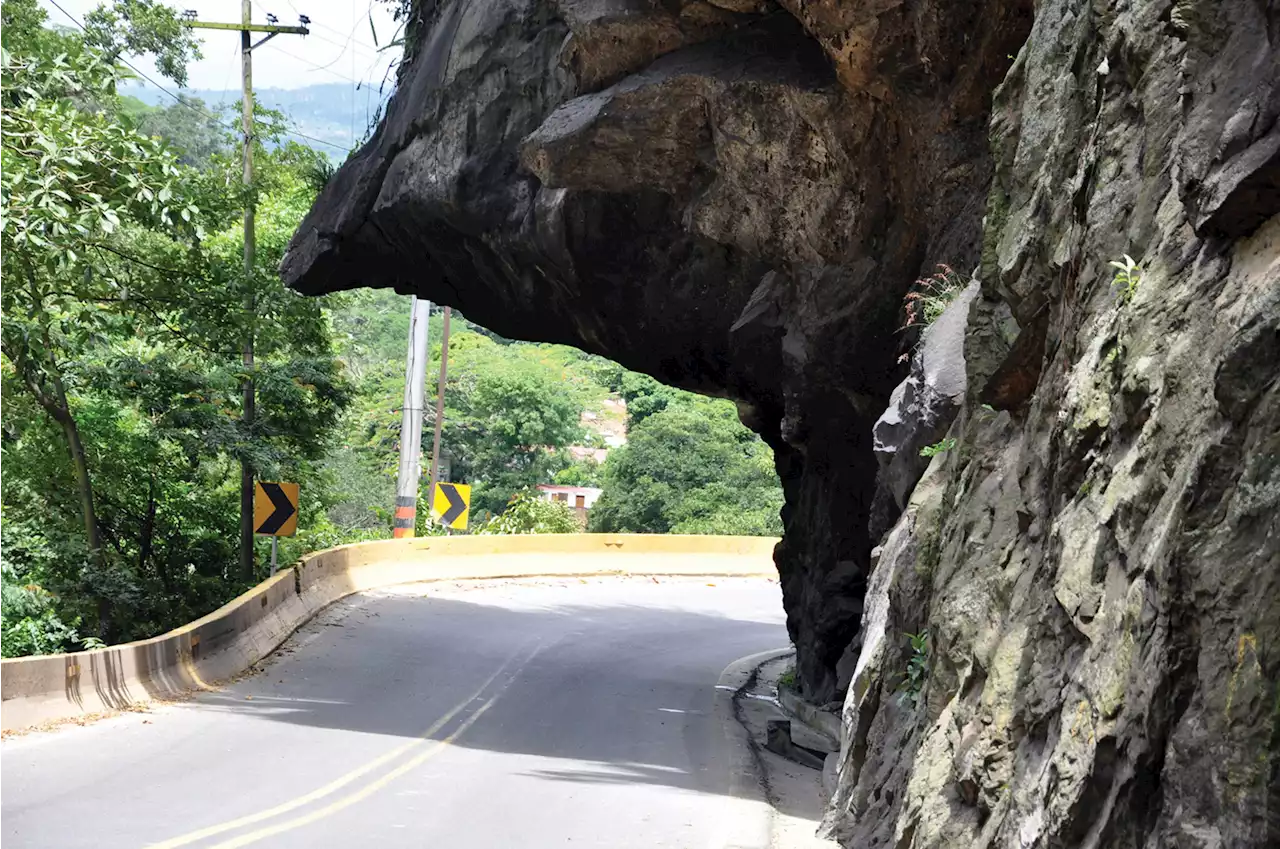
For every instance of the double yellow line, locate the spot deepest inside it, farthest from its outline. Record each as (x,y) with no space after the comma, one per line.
(363,791)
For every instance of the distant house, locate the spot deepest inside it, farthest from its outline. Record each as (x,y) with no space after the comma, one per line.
(580,498)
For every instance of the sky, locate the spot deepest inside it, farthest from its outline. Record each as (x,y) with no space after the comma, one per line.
(340,47)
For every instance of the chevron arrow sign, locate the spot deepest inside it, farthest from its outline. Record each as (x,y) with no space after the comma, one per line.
(275,508)
(451,504)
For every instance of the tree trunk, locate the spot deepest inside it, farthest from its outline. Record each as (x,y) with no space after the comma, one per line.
(246,520)
(147,536)
(60,410)
(83,483)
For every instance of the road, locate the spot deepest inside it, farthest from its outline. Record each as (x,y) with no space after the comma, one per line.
(540,713)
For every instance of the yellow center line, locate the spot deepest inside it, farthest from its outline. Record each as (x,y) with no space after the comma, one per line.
(344,780)
(363,793)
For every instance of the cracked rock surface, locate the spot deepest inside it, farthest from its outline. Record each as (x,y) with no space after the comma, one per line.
(1097,561)
(731,196)
(735,196)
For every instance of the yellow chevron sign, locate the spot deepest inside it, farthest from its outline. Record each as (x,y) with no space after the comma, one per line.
(451,505)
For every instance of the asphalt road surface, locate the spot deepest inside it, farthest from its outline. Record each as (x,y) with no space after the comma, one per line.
(506,714)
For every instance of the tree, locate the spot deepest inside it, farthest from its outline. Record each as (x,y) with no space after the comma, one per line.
(187,127)
(71,179)
(122,283)
(644,396)
(143,27)
(510,413)
(511,408)
(690,467)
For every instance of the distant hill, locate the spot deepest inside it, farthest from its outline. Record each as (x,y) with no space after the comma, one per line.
(332,112)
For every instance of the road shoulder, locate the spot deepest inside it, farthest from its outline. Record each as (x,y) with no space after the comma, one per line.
(773,803)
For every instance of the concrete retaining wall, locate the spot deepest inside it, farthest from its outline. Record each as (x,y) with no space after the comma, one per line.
(35,690)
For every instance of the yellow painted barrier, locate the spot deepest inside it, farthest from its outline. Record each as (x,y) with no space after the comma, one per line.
(46,688)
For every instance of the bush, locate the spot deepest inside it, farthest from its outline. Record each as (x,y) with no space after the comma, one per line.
(529,513)
(691,467)
(29,624)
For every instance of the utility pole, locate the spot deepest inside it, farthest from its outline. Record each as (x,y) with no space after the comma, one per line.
(246,28)
(444,368)
(415,377)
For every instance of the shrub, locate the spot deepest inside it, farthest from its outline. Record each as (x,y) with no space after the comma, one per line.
(529,513)
(30,623)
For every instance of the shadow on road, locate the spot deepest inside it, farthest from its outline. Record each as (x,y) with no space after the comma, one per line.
(611,683)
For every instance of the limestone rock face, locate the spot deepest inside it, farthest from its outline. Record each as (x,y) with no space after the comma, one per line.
(1098,559)
(731,196)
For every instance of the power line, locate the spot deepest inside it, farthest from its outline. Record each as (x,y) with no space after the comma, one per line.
(349,36)
(230,67)
(349,41)
(184,101)
(368,49)
(314,66)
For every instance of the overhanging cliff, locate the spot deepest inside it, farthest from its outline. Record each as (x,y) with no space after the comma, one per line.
(732,197)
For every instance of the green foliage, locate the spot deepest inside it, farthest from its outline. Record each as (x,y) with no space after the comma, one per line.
(1127,277)
(917,669)
(788,678)
(189,128)
(138,27)
(942,446)
(34,631)
(644,396)
(931,296)
(29,623)
(690,467)
(529,513)
(581,473)
(510,410)
(324,535)
(121,337)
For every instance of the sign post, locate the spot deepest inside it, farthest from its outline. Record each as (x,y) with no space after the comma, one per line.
(275,512)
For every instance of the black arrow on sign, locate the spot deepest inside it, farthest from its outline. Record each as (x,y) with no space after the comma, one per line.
(284,508)
(457,506)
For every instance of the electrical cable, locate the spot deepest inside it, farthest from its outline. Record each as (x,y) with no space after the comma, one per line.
(178,99)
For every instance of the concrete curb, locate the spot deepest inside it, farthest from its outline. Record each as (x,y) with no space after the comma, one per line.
(223,644)
(747,819)
(815,718)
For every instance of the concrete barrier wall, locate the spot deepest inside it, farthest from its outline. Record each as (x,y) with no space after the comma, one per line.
(46,688)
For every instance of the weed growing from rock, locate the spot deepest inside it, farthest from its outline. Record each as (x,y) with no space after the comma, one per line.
(917,669)
(1128,276)
(788,678)
(930,296)
(942,446)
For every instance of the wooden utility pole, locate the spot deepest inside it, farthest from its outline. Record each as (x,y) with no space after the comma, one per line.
(246,28)
(444,367)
